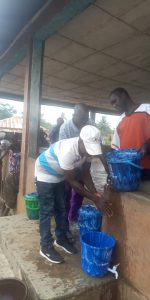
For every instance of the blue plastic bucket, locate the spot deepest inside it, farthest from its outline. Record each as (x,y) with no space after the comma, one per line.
(89,219)
(96,253)
(125,169)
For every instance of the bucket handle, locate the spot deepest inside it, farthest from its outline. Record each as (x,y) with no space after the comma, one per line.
(128,162)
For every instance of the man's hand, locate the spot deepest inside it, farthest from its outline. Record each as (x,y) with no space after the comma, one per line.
(99,200)
(102,205)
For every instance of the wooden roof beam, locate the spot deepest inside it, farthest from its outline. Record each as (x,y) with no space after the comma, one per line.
(53,102)
(47,21)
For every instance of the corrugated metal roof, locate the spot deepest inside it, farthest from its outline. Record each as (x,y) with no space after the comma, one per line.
(12,124)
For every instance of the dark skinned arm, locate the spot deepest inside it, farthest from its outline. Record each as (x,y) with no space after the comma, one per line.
(87,178)
(105,149)
(103,160)
(97,198)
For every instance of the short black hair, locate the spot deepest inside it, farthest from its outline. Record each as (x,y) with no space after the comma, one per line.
(119,91)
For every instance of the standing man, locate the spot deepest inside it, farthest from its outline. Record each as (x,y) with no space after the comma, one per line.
(52,167)
(133,130)
(71,129)
(54,134)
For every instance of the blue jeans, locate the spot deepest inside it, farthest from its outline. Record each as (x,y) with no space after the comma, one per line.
(52,202)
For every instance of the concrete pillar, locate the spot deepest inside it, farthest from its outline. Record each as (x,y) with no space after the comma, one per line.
(32,98)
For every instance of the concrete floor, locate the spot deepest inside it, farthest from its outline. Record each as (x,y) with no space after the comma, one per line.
(19,239)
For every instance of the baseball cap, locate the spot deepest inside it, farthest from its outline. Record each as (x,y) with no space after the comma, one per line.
(90,135)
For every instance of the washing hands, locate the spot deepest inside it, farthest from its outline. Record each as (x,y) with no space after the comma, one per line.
(102,204)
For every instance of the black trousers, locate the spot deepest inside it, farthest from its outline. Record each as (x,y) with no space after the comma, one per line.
(52,202)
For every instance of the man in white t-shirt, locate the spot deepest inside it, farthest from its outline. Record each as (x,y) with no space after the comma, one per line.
(52,167)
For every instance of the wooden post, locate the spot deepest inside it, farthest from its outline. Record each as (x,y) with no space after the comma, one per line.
(32,99)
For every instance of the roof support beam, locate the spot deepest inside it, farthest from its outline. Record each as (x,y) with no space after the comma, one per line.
(13,61)
(53,102)
(32,99)
(48,20)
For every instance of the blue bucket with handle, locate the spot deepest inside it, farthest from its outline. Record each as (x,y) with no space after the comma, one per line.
(89,219)
(125,169)
(96,253)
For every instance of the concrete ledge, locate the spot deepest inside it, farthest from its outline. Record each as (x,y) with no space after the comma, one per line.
(5,269)
(19,238)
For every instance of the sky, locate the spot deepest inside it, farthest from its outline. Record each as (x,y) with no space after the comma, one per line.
(51,113)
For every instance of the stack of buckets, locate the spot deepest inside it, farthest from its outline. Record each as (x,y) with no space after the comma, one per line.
(32,206)
(96,247)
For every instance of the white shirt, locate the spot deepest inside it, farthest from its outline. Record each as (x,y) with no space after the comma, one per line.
(63,155)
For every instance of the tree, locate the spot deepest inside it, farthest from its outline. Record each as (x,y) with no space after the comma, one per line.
(105,130)
(6,111)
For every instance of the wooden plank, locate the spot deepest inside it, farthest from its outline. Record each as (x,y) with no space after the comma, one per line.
(13,61)
(69,11)
(35,96)
(11,96)
(32,95)
(24,145)
(43,16)
(53,102)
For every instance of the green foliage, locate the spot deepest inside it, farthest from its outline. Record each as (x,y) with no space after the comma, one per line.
(106,131)
(6,111)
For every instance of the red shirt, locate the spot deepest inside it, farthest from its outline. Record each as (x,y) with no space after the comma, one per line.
(133,131)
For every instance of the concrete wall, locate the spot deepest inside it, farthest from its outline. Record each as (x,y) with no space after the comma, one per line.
(126,292)
(108,291)
(130,225)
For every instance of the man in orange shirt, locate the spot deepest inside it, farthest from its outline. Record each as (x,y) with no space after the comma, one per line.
(133,131)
